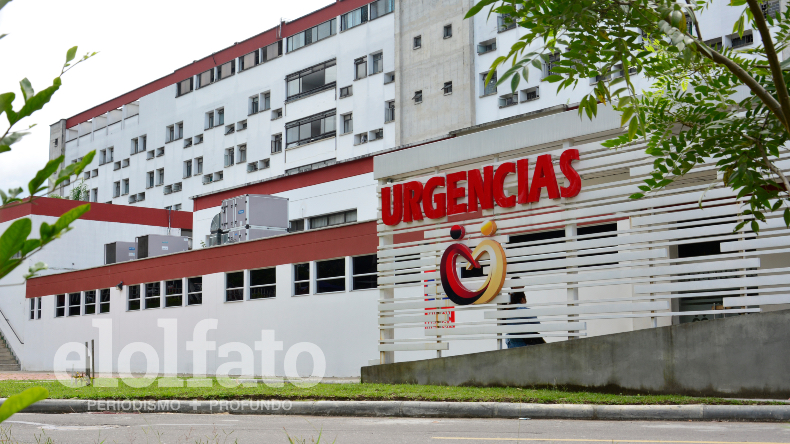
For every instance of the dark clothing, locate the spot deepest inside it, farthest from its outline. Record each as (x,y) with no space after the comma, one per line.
(523,342)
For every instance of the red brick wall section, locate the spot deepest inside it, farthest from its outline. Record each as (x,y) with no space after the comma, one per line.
(237,50)
(348,240)
(301,180)
(46,206)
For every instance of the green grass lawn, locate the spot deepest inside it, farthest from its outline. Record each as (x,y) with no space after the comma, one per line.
(358,392)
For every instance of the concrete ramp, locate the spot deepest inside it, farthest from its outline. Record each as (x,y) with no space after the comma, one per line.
(744,356)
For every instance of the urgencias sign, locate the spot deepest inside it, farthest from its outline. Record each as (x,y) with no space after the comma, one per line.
(409,201)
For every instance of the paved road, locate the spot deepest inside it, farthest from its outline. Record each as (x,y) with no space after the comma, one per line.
(185,428)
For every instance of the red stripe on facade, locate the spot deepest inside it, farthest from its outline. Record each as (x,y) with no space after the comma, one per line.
(259,41)
(301,180)
(347,240)
(46,206)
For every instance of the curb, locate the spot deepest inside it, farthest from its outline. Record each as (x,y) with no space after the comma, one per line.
(420,409)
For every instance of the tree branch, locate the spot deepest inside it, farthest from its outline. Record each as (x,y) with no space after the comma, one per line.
(773,59)
(770,165)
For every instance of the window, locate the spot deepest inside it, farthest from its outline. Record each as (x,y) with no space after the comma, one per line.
(277,113)
(311,35)
(210,120)
(153,295)
(417,96)
(530,94)
(149,182)
(199,166)
(150,155)
(104,300)
(389,77)
(417,42)
(60,305)
(505,22)
(198,139)
(167,190)
(253,105)
(354,18)
(359,139)
(234,286)
(74,304)
(489,88)
(263,283)
(94,173)
(183,87)
(389,111)
(226,70)
(363,270)
(267,101)
(447,88)
(187,169)
(242,153)
(277,143)
(220,117)
(737,41)
(125,183)
(95,195)
(228,157)
(348,123)
(133,296)
(205,78)
(310,167)
(230,129)
(331,275)
(124,163)
(195,290)
(90,302)
(295,226)
(618,71)
(140,197)
(187,142)
(174,293)
(448,31)
(770,9)
(310,129)
(116,189)
(177,207)
(241,126)
(249,60)
(102,157)
(714,43)
(346,91)
(219,175)
(252,167)
(265,163)
(310,80)
(376,134)
(550,63)
(170,135)
(35,308)
(302,278)
(508,100)
(272,51)
(333,219)
(377,63)
(381,7)
(179,130)
(160,176)
(176,188)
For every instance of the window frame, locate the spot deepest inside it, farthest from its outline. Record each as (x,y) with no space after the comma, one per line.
(445,34)
(301,74)
(330,115)
(89,305)
(355,275)
(134,300)
(70,305)
(238,292)
(104,302)
(179,296)
(190,294)
(297,281)
(339,278)
(262,286)
(150,299)
(60,305)
(290,47)
(363,18)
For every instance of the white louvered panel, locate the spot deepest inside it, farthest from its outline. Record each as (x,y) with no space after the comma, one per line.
(414,346)
(388,320)
(494,329)
(694,212)
(715,284)
(583,309)
(756,300)
(589,260)
(753,244)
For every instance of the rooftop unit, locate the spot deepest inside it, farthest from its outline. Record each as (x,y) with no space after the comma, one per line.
(253,216)
(153,245)
(116,252)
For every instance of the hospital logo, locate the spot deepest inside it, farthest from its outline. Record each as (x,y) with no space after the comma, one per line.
(497,268)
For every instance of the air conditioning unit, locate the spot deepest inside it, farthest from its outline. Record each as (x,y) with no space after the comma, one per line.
(267,214)
(153,245)
(116,252)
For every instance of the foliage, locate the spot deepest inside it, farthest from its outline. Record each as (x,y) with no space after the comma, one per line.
(691,118)
(15,246)
(19,401)
(103,389)
(79,192)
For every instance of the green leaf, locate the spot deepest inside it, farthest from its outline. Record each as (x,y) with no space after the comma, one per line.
(739,226)
(472,11)
(27,89)
(13,239)
(19,402)
(554,78)
(44,174)
(5,102)
(738,27)
(3,3)
(636,196)
(35,103)
(755,226)
(787,217)
(70,54)
(514,82)
(68,217)
(632,127)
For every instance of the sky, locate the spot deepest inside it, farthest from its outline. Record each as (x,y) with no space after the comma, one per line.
(137,42)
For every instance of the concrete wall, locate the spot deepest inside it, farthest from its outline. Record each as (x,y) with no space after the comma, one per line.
(745,356)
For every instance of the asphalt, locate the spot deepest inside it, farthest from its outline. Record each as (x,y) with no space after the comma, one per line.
(224,428)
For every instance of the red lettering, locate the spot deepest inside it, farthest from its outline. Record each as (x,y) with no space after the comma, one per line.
(391,214)
(454,192)
(499,185)
(438,210)
(480,190)
(411,204)
(544,177)
(575,182)
(522,166)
